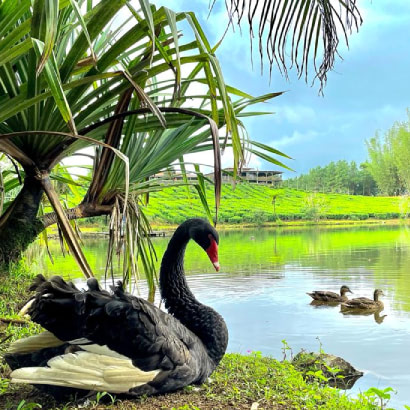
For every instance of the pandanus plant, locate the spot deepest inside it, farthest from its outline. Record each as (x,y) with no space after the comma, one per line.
(71,77)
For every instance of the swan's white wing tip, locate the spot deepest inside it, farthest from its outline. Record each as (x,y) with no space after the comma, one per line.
(88,371)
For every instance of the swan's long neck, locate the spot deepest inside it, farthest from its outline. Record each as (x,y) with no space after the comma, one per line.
(202,320)
(174,288)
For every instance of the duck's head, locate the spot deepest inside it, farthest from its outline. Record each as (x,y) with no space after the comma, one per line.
(345,289)
(377,293)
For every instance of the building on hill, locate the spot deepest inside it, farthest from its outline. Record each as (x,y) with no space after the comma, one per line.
(251,175)
(172,175)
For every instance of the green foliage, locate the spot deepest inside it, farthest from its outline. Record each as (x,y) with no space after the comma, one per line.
(404,206)
(382,166)
(314,207)
(389,159)
(247,379)
(24,405)
(285,349)
(382,396)
(338,177)
(252,204)
(4,385)
(104,395)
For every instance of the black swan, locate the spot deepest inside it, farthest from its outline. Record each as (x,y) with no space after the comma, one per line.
(327,296)
(365,304)
(115,342)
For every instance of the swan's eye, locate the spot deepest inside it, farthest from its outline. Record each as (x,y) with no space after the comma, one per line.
(212,252)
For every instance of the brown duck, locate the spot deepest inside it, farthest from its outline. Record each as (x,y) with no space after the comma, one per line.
(364,303)
(327,296)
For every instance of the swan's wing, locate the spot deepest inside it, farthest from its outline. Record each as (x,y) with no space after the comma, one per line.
(89,371)
(34,343)
(128,325)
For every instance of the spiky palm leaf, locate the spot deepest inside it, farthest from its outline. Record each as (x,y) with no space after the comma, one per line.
(298,32)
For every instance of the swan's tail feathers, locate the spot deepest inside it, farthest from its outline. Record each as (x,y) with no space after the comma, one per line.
(65,310)
(88,371)
(33,343)
(60,307)
(56,284)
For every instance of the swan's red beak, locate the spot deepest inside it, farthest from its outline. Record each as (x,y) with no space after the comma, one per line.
(212,252)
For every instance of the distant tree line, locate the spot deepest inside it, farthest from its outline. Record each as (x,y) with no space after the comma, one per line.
(339,177)
(386,172)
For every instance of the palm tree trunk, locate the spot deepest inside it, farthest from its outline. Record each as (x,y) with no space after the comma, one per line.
(84,210)
(19,225)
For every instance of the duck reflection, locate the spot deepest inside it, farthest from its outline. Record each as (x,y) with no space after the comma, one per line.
(378,318)
(320,304)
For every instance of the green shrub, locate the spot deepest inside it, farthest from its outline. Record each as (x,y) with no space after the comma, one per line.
(235,220)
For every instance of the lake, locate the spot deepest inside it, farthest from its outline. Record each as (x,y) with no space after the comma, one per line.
(261,293)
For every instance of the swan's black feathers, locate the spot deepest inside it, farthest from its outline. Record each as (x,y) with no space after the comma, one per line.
(177,348)
(151,338)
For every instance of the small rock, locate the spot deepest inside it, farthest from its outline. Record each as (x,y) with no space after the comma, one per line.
(344,378)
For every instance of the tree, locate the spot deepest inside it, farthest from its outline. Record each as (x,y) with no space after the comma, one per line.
(389,159)
(70,79)
(367,184)
(382,165)
(340,177)
(400,141)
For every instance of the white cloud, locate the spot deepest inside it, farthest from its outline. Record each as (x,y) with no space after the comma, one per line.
(294,114)
(294,139)
(227,160)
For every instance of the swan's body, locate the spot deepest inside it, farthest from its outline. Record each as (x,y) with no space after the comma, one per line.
(327,296)
(119,343)
(364,303)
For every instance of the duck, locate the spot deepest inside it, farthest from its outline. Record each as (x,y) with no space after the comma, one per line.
(99,340)
(365,304)
(327,296)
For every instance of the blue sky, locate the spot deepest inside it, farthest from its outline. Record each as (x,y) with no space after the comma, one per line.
(366,93)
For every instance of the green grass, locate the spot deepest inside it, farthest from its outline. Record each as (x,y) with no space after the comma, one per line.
(14,294)
(250,203)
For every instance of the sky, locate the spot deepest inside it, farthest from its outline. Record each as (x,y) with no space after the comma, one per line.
(368,90)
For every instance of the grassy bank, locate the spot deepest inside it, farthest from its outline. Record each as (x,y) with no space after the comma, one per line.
(239,382)
(256,204)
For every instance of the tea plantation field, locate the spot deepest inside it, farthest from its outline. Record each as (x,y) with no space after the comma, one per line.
(250,203)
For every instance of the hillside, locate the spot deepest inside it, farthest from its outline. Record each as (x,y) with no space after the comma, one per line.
(250,203)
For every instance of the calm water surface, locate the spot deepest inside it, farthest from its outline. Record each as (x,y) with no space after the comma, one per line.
(261,293)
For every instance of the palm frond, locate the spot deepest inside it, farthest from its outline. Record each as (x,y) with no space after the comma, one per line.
(289,31)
